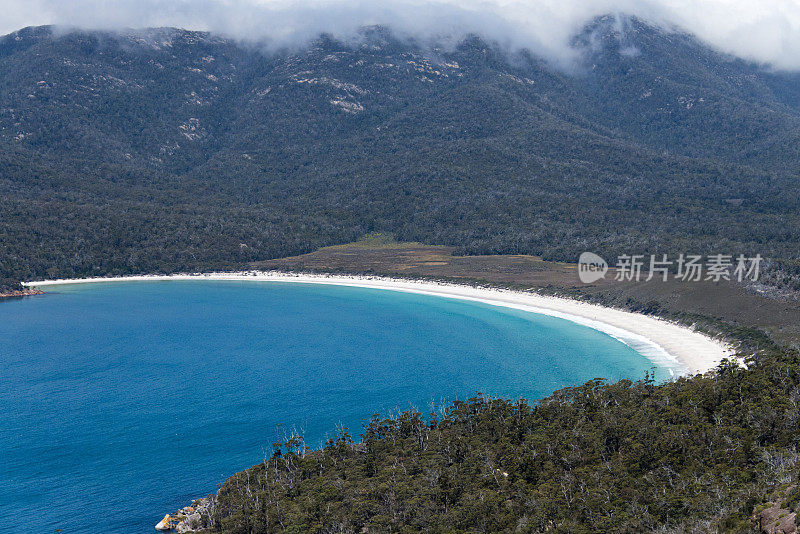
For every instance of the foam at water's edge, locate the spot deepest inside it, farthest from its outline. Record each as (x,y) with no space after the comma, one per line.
(646,347)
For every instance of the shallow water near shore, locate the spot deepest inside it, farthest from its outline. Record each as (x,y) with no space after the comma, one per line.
(124,401)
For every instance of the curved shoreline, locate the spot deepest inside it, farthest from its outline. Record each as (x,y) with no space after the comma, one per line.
(676,347)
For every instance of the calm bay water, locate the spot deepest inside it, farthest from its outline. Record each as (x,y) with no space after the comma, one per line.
(124,401)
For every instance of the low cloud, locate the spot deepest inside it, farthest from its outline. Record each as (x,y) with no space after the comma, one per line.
(766,31)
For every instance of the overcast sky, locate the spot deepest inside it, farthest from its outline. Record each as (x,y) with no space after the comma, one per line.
(761,30)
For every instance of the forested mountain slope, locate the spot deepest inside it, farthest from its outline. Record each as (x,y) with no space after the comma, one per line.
(168,150)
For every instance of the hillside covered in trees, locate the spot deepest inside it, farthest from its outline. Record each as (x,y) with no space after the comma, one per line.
(167,150)
(696,455)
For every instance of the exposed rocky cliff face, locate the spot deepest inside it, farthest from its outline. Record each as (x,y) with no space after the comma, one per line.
(195,518)
(778,517)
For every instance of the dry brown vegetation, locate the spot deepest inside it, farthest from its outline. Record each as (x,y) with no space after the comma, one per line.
(729,302)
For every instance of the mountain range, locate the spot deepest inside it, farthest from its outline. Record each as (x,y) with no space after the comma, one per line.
(165,150)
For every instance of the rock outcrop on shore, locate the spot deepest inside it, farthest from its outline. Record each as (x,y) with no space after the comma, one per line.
(16,293)
(195,518)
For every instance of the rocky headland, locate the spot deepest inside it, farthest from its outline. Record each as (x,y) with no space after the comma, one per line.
(194,518)
(18,293)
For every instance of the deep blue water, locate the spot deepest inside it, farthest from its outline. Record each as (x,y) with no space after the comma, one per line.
(124,401)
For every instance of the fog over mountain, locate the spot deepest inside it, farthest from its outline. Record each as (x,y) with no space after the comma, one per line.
(178,151)
(765,31)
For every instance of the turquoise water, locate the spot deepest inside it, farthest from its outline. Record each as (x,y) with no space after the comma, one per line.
(124,401)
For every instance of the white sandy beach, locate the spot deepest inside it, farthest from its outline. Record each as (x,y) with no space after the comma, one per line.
(677,347)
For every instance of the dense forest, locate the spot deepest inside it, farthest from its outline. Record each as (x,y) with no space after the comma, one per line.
(698,454)
(167,150)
